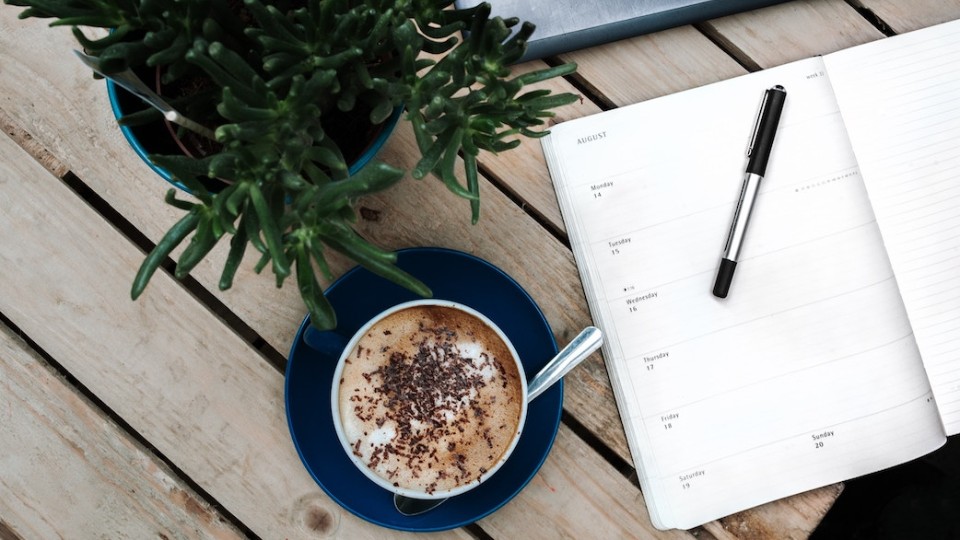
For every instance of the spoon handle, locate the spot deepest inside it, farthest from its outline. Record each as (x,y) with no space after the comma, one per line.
(575,352)
(128,80)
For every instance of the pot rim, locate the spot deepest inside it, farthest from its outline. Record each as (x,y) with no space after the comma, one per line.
(134,141)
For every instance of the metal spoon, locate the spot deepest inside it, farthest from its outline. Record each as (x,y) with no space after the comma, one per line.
(129,80)
(575,352)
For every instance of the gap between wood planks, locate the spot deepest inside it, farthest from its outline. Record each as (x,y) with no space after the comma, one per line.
(742,58)
(6,533)
(871,17)
(99,406)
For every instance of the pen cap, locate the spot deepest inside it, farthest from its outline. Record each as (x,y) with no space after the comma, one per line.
(766,129)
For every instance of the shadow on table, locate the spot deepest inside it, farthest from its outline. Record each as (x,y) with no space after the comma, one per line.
(920,499)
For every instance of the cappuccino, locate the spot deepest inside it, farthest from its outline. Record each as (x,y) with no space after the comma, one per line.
(430,398)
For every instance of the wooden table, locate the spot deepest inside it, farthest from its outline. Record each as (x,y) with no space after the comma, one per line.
(165,417)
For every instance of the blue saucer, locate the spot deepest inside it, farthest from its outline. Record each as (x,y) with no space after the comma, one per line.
(359,295)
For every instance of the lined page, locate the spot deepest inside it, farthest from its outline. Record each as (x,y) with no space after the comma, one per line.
(808,373)
(900,99)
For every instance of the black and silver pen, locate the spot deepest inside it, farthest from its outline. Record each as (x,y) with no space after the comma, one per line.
(758,153)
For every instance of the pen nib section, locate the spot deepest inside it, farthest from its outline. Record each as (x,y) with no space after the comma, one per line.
(724,278)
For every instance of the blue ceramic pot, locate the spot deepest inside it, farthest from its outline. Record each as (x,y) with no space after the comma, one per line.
(118,96)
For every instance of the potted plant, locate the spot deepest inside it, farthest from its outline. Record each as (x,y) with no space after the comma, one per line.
(274,82)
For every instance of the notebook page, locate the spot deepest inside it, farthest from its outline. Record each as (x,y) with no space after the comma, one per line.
(901,102)
(807,373)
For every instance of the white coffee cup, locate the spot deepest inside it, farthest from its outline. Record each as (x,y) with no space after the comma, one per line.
(442,433)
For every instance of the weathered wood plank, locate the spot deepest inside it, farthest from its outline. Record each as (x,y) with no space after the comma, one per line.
(793,517)
(166,365)
(907,16)
(68,471)
(785,32)
(26,141)
(6,531)
(645,67)
(616,507)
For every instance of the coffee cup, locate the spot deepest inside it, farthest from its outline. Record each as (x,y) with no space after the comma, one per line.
(429,399)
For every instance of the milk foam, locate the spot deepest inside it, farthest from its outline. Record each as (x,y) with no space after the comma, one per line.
(430,398)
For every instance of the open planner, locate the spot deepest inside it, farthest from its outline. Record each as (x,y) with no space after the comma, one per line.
(837,352)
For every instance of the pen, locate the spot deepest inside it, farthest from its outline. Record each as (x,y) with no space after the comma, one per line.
(758,153)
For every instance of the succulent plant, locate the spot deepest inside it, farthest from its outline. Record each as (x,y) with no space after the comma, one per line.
(276,72)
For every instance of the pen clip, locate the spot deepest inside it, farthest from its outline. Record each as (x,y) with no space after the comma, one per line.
(756,125)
